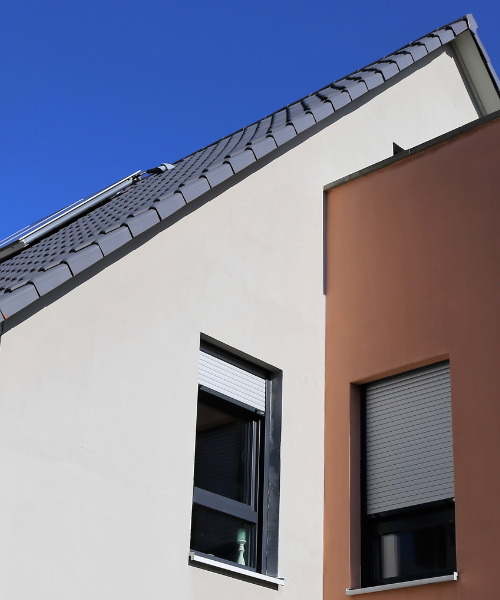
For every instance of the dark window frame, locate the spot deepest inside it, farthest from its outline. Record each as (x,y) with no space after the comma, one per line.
(264,510)
(410,518)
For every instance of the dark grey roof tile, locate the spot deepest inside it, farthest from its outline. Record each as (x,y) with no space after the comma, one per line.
(191,178)
(321,111)
(355,89)
(458,27)
(372,79)
(49,280)
(295,110)
(337,98)
(402,59)
(12,303)
(261,131)
(303,122)
(141,210)
(387,68)
(112,241)
(145,220)
(194,189)
(417,51)
(110,228)
(279,119)
(431,42)
(50,265)
(445,35)
(83,245)
(17,284)
(241,160)
(312,101)
(283,134)
(79,261)
(218,174)
(263,147)
(233,142)
(167,205)
(260,135)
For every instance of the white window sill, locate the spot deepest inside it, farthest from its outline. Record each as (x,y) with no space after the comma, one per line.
(402,584)
(216,564)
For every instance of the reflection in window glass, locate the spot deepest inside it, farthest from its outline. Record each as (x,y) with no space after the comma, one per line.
(223,459)
(412,553)
(223,536)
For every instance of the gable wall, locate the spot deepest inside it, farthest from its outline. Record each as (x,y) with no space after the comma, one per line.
(98,390)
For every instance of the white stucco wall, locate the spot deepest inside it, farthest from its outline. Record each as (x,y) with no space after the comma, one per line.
(98,390)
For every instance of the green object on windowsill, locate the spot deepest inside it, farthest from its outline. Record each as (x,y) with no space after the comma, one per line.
(241,536)
(241,540)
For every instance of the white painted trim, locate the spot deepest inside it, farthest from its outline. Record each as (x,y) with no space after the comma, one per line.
(234,569)
(402,584)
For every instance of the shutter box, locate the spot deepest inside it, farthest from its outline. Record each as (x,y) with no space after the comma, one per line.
(233,379)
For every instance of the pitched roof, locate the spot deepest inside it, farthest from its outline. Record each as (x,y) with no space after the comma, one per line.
(74,246)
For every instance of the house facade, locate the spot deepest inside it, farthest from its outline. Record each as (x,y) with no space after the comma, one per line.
(162,363)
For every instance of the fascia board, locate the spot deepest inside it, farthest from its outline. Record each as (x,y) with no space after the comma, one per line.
(478,71)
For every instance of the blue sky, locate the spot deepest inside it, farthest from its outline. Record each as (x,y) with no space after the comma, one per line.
(94,91)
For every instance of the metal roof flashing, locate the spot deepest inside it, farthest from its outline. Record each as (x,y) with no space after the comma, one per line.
(45,255)
(477,69)
(471,22)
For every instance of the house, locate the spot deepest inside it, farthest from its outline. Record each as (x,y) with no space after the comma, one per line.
(162,385)
(412,375)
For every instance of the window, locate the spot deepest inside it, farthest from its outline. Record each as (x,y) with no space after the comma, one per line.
(234,518)
(408,524)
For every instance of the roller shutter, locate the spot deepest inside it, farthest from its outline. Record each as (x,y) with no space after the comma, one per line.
(232,380)
(409,448)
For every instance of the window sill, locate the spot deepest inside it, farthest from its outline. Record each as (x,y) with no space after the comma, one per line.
(402,584)
(193,557)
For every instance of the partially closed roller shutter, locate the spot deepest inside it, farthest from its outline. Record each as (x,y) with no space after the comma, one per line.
(231,380)
(409,449)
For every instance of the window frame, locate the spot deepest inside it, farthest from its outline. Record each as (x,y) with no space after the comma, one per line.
(411,518)
(263,512)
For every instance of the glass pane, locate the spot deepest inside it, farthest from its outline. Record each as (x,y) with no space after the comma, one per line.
(224,451)
(223,536)
(417,552)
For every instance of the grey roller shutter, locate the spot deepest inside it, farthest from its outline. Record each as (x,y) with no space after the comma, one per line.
(231,380)
(409,448)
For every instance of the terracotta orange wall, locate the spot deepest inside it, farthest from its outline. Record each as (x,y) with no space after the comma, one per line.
(413,275)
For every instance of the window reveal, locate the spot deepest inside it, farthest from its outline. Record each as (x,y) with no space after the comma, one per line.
(408,520)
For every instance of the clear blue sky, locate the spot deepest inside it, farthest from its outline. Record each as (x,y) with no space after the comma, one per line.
(93,91)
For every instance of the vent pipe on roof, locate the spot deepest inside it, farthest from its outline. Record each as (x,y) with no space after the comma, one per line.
(161,169)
